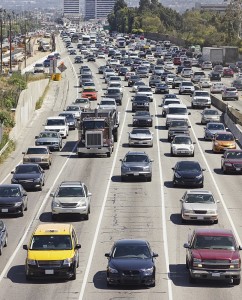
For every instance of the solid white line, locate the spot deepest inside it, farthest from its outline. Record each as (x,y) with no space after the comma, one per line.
(163,211)
(101,213)
(6,177)
(32,221)
(217,188)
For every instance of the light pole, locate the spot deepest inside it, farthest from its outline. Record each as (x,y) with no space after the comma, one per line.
(10,44)
(2,11)
(25,43)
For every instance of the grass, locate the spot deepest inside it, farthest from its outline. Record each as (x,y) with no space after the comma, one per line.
(41,99)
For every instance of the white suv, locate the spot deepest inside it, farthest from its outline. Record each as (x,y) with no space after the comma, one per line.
(58,124)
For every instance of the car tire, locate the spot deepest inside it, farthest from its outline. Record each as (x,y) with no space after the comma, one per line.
(108,284)
(201,185)
(183,220)
(191,279)
(123,179)
(236,281)
(187,265)
(28,278)
(149,179)
(21,214)
(192,154)
(54,217)
(1,250)
(73,277)
(108,154)
(86,217)
(215,221)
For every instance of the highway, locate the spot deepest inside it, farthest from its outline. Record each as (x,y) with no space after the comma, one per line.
(148,210)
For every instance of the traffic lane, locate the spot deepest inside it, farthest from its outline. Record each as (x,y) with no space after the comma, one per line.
(178,271)
(133,210)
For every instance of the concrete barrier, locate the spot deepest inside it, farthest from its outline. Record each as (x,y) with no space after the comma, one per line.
(26,106)
(234,128)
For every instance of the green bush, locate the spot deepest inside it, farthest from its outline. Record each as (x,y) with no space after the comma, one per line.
(7,119)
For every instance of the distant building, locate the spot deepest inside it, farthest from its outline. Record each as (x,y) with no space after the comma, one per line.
(71,7)
(219,7)
(98,9)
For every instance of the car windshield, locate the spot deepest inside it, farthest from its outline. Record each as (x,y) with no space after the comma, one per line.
(88,90)
(72,108)
(224,137)
(210,112)
(202,94)
(103,102)
(6,191)
(167,102)
(170,96)
(37,151)
(177,123)
(48,135)
(215,127)
(136,158)
(51,242)
(93,124)
(188,166)
(55,122)
(27,169)
(83,101)
(199,198)
(142,113)
(177,111)
(234,155)
(140,131)
(70,191)
(131,251)
(182,140)
(113,91)
(144,89)
(214,242)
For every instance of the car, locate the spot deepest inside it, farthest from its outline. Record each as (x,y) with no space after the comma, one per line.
(71,197)
(136,165)
(114,93)
(145,90)
(154,80)
(72,51)
(230,93)
(90,93)
(231,161)
(46,63)
(39,68)
(178,127)
(40,155)
(199,205)
(197,75)
(140,137)
(176,112)
(84,103)
(169,79)
(210,115)
(212,128)
(85,78)
(161,88)
(136,86)
(168,65)
(101,69)
(88,85)
(182,145)
(100,55)
(186,87)
(75,110)
(167,102)
(214,76)
(13,200)
(186,72)
(128,75)
(204,83)
(50,139)
(140,102)
(142,72)
(78,59)
(52,252)
(132,79)
(131,262)
(237,83)
(70,119)
(188,173)
(201,99)
(217,88)
(30,176)
(3,236)
(213,254)
(107,103)
(207,65)
(218,69)
(142,118)
(91,57)
(223,141)
(176,82)
(228,72)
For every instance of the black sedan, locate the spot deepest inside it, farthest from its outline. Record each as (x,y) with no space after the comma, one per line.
(154,81)
(3,236)
(78,59)
(188,173)
(133,79)
(161,88)
(70,119)
(142,118)
(30,176)
(131,262)
(13,199)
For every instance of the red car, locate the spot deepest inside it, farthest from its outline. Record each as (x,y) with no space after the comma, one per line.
(227,72)
(89,93)
(231,161)
(177,61)
(213,254)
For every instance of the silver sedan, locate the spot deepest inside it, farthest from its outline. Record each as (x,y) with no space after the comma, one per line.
(141,137)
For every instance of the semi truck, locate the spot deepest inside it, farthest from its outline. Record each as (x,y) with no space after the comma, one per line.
(97,132)
(215,55)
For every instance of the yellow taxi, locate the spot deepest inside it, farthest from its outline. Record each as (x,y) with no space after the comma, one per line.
(52,252)
(223,141)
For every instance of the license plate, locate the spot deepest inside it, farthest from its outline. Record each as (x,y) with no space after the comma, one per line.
(215,274)
(238,169)
(200,217)
(136,174)
(4,210)
(49,272)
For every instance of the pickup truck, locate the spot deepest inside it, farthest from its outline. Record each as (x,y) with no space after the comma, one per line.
(213,254)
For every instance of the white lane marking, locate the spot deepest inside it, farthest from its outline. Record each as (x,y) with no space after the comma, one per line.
(163,211)
(6,177)
(216,187)
(32,221)
(101,212)
(74,71)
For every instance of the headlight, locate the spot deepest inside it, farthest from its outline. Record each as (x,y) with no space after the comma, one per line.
(62,130)
(135,120)
(67,262)
(216,143)
(235,263)
(26,159)
(36,180)
(44,159)
(113,271)
(188,211)
(71,123)
(82,203)
(148,271)
(228,164)
(18,204)
(14,180)
(31,262)
(197,262)
(199,176)
(177,175)
(212,211)
(55,204)
(125,168)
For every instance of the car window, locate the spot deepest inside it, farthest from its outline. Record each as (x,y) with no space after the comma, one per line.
(136,158)
(224,137)
(37,151)
(182,140)
(214,242)
(27,169)
(199,198)
(70,192)
(51,242)
(9,191)
(131,251)
(234,155)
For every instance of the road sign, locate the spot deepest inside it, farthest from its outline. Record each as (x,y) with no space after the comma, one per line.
(62,67)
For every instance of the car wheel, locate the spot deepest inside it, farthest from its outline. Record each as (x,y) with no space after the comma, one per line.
(191,279)
(79,154)
(73,277)
(108,284)
(86,217)
(149,179)
(215,221)
(224,169)
(6,242)
(236,281)
(201,185)
(26,207)
(187,265)
(54,217)
(108,154)
(192,154)
(1,250)
(174,184)
(123,178)
(21,214)
(48,166)
(27,277)
(183,220)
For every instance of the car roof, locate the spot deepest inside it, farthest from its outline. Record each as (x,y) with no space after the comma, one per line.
(53,228)
(214,232)
(38,147)
(131,242)
(198,191)
(177,105)
(56,117)
(136,153)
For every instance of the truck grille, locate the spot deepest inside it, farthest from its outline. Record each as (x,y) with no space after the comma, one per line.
(200,211)
(69,205)
(94,139)
(49,263)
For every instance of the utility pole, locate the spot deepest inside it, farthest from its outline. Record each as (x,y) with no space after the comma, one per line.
(10,43)
(1,33)
(25,44)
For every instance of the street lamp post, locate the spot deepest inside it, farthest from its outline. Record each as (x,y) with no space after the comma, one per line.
(25,43)
(2,11)
(10,43)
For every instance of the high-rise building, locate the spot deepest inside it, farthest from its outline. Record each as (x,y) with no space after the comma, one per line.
(98,9)
(71,7)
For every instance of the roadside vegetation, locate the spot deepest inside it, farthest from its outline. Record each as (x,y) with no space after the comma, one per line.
(206,28)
